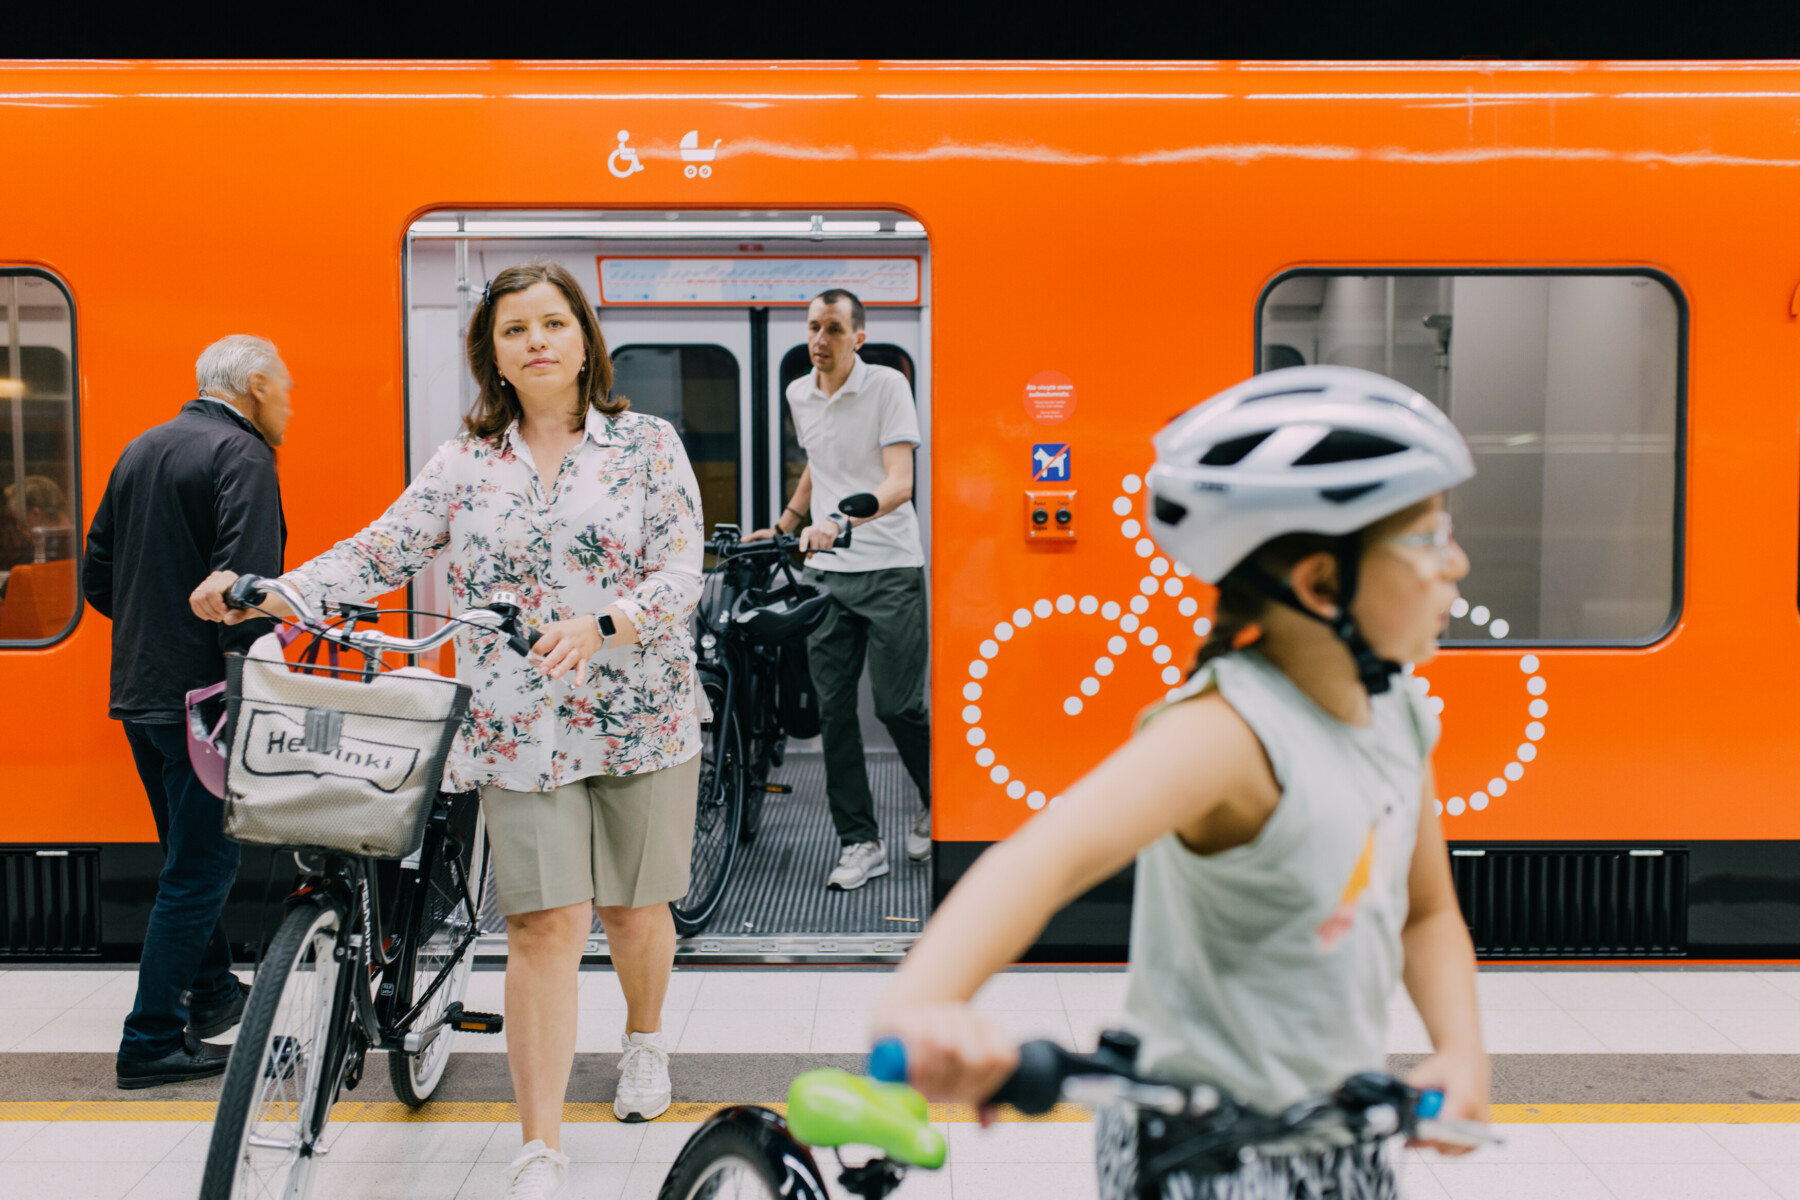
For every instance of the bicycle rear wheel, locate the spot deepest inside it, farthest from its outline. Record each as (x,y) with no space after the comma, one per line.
(718,814)
(744,1154)
(436,945)
(262,1144)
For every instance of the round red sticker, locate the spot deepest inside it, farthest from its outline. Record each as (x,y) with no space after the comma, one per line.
(1050,398)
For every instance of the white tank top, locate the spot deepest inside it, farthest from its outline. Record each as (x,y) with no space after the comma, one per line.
(1266,969)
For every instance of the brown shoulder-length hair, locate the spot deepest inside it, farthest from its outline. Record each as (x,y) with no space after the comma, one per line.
(497,405)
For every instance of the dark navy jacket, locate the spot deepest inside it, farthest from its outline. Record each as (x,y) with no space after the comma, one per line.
(194,495)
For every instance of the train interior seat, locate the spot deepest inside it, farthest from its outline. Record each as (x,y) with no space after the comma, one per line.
(40,597)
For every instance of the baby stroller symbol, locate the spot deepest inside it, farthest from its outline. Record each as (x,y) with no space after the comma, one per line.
(691,154)
(623,161)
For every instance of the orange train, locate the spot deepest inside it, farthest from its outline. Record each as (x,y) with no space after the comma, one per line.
(1592,266)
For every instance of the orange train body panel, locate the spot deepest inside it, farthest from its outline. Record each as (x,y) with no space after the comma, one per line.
(1110,223)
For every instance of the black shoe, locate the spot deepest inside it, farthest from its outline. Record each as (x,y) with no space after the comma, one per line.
(195,1060)
(211,1022)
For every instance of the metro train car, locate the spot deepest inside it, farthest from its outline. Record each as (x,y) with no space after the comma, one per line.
(1591,267)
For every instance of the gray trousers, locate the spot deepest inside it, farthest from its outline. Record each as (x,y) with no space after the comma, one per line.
(881,616)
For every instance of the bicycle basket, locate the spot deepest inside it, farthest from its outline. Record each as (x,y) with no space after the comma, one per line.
(325,761)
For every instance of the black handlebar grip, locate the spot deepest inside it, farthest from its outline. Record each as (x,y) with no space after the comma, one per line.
(843,539)
(1037,1085)
(245,592)
(520,643)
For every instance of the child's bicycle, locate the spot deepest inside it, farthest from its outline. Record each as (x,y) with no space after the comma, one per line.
(750,1153)
(342,765)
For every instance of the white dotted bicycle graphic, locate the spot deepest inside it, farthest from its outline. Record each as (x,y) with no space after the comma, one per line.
(1165,581)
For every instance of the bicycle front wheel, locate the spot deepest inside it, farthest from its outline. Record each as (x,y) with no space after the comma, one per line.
(743,1154)
(718,814)
(441,945)
(263,1137)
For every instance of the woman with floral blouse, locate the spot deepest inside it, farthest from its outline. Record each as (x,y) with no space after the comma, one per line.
(587,754)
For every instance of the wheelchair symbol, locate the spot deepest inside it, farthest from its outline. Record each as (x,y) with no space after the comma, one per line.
(691,153)
(623,161)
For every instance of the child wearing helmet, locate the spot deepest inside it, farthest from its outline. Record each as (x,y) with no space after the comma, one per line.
(1290,868)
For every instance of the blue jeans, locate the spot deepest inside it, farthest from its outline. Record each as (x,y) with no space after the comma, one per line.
(186,958)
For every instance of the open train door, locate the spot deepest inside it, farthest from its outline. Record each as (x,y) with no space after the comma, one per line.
(706,322)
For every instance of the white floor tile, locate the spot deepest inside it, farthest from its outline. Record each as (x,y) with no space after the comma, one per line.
(1603,991)
(1418,1183)
(1029,1025)
(193,1147)
(70,1180)
(77,1030)
(21,1023)
(599,1030)
(643,1182)
(754,1032)
(1786,981)
(861,990)
(1776,1032)
(1781,1179)
(1718,990)
(390,1181)
(840,1031)
(735,991)
(116,995)
(1760,1143)
(168,1180)
(14,1134)
(486,992)
(406,1142)
(1678,1032)
(1683,1181)
(663,1140)
(1595,1144)
(1519,1181)
(1499,990)
(1019,991)
(103,1141)
(50,989)
(1022,1181)
(1023,1142)
(596,1141)
(1525,1031)
(1523,1144)
(1093,989)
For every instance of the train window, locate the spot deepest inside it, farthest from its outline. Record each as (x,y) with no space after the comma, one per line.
(1569,388)
(797,362)
(695,389)
(40,514)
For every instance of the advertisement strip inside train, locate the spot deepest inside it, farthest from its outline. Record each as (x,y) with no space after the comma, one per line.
(1589,267)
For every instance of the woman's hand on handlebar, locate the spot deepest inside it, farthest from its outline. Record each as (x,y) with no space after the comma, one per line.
(953,1053)
(563,646)
(1463,1079)
(208,601)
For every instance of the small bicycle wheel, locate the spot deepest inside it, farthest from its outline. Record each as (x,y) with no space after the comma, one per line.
(438,946)
(718,814)
(262,1136)
(733,1160)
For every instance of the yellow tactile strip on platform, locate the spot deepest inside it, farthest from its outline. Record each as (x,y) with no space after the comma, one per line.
(507,1112)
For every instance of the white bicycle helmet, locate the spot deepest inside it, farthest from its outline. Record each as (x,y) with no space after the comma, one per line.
(1327,450)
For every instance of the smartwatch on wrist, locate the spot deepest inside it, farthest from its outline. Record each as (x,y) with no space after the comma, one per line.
(607,626)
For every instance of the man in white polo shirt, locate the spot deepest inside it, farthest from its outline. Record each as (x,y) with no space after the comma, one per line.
(859,429)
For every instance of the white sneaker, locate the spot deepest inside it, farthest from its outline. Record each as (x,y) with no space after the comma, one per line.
(918,842)
(644,1091)
(857,865)
(537,1174)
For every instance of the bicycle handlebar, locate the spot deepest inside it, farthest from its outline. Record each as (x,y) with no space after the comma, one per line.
(499,615)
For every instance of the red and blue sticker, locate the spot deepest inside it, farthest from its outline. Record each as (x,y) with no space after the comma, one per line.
(1050,462)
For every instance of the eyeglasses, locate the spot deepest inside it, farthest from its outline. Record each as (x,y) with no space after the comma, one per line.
(1440,540)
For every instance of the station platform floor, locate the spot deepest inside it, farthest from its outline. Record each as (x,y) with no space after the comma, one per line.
(1608,1085)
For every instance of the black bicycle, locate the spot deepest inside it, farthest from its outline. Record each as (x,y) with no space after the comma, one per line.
(340,978)
(750,639)
(750,1153)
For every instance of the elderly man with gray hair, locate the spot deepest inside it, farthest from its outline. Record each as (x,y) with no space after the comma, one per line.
(191,496)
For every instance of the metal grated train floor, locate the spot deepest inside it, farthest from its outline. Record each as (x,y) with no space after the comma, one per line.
(777,886)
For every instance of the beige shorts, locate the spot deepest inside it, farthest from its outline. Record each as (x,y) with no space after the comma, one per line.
(618,840)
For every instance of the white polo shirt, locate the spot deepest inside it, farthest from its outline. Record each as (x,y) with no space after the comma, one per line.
(843,436)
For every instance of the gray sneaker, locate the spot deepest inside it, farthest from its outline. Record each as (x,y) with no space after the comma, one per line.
(857,865)
(918,842)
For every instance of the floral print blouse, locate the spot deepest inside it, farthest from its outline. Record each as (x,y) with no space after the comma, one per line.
(620,526)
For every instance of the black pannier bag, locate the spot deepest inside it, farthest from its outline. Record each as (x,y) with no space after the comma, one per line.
(796,699)
(779,618)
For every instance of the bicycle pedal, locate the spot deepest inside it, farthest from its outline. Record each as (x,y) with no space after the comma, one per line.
(779,788)
(474,1022)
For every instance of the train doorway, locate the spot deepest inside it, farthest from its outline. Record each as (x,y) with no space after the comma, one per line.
(706,321)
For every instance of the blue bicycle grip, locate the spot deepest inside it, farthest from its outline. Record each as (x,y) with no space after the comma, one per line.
(887,1062)
(1430,1104)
